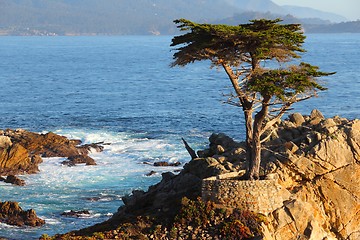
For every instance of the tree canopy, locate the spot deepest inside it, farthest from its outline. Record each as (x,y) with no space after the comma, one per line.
(234,45)
(253,56)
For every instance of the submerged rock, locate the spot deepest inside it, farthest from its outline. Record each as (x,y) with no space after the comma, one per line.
(79,159)
(150,173)
(76,214)
(13,180)
(166,164)
(11,213)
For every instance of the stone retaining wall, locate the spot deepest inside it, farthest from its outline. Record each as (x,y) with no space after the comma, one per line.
(262,196)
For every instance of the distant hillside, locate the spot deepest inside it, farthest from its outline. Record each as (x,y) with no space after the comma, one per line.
(245,16)
(344,27)
(124,17)
(256,6)
(305,12)
(310,25)
(107,17)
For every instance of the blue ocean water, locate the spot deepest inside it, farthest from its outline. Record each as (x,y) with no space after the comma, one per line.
(121,90)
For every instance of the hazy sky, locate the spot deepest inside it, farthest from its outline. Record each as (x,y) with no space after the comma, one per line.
(347,8)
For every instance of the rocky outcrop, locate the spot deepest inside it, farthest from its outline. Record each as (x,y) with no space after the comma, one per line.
(163,200)
(11,213)
(316,159)
(21,151)
(319,164)
(49,144)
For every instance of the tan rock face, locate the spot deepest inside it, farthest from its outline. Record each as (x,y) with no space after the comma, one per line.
(317,161)
(323,176)
(354,139)
(16,158)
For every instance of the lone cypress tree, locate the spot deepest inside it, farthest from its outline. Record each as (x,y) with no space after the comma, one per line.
(243,51)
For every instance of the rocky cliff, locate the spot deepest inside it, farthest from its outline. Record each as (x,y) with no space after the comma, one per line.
(315,159)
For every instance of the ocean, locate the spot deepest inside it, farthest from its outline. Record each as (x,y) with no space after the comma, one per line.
(121,90)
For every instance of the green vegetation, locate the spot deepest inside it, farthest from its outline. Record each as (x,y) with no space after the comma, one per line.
(205,219)
(253,57)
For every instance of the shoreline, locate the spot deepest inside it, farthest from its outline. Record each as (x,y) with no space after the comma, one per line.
(299,146)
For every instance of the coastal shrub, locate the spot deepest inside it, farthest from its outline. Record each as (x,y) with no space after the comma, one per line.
(241,225)
(195,213)
(198,219)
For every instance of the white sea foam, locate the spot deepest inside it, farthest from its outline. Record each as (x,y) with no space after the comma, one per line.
(4,225)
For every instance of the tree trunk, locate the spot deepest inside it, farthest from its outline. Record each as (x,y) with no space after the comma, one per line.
(249,127)
(255,161)
(254,170)
(249,137)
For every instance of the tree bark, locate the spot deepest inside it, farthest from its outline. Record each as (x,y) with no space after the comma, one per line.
(255,161)
(249,137)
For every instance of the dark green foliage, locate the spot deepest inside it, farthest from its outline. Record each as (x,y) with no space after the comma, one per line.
(286,83)
(260,39)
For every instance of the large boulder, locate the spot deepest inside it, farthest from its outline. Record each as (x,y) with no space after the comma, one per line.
(11,213)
